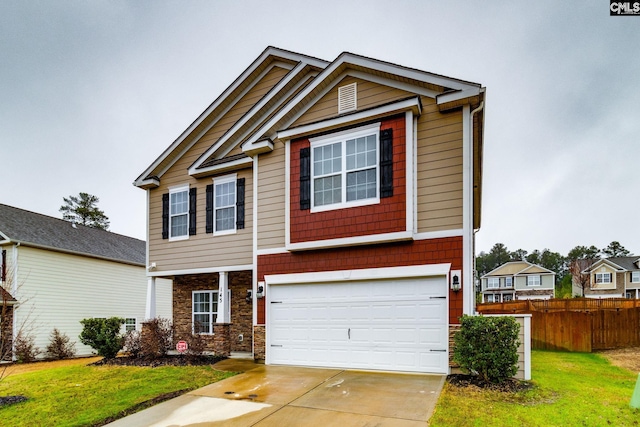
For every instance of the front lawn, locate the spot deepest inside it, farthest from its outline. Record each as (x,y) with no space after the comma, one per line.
(577,389)
(84,395)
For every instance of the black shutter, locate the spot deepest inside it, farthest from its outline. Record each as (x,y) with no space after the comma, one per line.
(386,163)
(240,203)
(165,216)
(305,178)
(3,267)
(209,226)
(192,211)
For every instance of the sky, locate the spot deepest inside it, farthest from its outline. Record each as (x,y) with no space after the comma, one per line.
(92,92)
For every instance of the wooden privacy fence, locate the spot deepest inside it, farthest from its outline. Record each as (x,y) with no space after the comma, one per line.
(578,325)
(585,331)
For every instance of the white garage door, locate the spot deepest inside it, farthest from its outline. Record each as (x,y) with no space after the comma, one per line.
(395,325)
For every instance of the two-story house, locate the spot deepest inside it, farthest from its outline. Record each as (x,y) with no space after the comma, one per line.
(517,280)
(54,273)
(323,213)
(615,277)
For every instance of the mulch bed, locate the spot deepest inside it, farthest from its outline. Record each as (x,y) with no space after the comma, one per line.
(510,385)
(169,360)
(10,400)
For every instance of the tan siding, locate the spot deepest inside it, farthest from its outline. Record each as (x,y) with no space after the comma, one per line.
(439,174)
(271,199)
(204,250)
(58,290)
(369,95)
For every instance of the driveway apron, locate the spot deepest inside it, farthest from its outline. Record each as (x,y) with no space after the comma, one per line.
(292,396)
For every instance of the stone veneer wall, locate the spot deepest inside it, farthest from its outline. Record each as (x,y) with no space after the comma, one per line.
(241,311)
(453,366)
(259,342)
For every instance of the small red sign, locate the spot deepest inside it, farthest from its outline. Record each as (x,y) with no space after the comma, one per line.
(182,346)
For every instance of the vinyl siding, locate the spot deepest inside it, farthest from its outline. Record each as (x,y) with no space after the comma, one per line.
(439,169)
(369,95)
(546,282)
(203,250)
(271,199)
(57,290)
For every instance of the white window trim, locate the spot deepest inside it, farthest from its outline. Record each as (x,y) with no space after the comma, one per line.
(223,180)
(173,190)
(213,298)
(135,325)
(534,285)
(602,282)
(491,285)
(638,277)
(508,285)
(342,137)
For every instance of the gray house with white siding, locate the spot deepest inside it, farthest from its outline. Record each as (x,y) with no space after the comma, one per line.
(58,273)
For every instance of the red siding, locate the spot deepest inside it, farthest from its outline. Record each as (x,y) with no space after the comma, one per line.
(433,251)
(386,217)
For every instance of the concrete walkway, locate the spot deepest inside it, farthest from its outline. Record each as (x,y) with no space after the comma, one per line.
(290,396)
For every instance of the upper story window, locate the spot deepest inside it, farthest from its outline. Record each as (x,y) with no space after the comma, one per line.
(225,204)
(179,213)
(533,280)
(493,282)
(345,169)
(508,282)
(603,277)
(635,276)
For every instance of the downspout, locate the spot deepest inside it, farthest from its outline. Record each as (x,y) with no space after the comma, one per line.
(469,304)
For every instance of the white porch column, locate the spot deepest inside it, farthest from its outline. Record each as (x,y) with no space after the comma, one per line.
(150,308)
(223,302)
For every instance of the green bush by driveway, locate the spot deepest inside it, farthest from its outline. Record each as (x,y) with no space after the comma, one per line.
(571,389)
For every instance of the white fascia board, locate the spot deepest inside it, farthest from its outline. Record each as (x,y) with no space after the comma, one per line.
(438,234)
(223,167)
(246,117)
(146,184)
(524,271)
(350,241)
(598,263)
(392,83)
(412,104)
(258,147)
(200,270)
(457,95)
(500,266)
(368,274)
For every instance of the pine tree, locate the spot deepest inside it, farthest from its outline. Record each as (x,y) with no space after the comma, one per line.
(83,210)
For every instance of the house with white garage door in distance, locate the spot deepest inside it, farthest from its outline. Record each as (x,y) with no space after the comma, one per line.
(54,273)
(322,213)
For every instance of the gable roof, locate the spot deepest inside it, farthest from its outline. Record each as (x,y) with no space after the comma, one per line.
(622,263)
(307,80)
(45,232)
(515,268)
(270,57)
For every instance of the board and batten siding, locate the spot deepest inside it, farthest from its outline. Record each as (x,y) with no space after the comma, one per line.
(202,250)
(57,290)
(271,199)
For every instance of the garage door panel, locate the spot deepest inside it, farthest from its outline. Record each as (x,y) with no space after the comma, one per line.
(387,325)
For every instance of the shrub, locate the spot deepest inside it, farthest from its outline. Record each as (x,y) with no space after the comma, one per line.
(488,347)
(157,337)
(60,346)
(103,335)
(197,346)
(25,350)
(133,343)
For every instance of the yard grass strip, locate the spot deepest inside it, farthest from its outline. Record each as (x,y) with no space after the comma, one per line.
(87,395)
(570,389)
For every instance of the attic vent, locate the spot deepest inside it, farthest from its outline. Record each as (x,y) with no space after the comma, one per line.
(347,98)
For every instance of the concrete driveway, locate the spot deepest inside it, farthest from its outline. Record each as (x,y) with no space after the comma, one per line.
(290,396)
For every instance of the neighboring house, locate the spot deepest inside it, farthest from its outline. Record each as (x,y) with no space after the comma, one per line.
(517,280)
(319,213)
(616,277)
(57,273)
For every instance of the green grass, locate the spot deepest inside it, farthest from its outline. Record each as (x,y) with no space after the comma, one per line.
(85,395)
(571,389)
